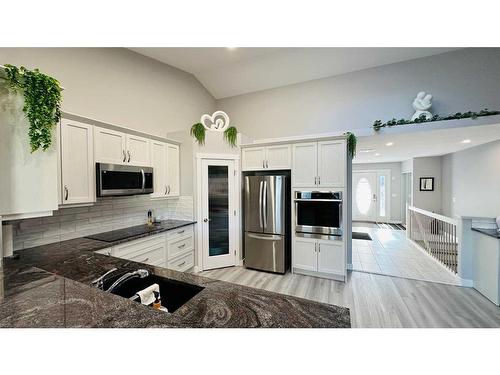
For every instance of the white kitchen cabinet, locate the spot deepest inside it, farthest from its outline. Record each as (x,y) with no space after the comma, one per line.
(319,164)
(279,157)
(304,256)
(77,162)
(159,164)
(173,170)
(317,257)
(331,163)
(137,149)
(305,164)
(109,146)
(114,147)
(253,158)
(270,157)
(149,250)
(331,258)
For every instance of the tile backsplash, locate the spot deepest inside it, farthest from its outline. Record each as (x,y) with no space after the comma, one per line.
(105,215)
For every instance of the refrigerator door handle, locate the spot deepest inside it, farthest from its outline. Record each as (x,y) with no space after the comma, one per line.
(260,204)
(268,237)
(264,204)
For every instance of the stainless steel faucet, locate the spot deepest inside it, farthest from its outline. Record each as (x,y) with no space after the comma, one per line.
(142,273)
(99,282)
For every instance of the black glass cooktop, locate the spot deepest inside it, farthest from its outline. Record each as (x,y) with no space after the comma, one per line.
(121,234)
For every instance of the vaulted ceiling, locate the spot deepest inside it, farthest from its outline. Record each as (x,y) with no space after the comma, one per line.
(228,72)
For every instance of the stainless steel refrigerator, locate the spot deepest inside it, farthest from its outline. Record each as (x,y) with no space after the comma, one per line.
(265,223)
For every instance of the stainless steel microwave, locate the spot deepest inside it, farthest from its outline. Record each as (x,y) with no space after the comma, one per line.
(114,180)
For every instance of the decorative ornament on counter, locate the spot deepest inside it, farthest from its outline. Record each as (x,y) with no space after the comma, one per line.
(219,122)
(422,103)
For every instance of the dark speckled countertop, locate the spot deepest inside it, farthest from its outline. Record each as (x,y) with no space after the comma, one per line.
(489,232)
(49,286)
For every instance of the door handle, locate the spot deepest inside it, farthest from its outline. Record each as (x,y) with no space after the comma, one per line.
(264,204)
(207,220)
(267,237)
(66,192)
(260,204)
(128,152)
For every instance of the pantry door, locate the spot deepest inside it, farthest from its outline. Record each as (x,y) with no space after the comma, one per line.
(219,224)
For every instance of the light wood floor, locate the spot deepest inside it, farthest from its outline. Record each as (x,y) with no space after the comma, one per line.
(379,301)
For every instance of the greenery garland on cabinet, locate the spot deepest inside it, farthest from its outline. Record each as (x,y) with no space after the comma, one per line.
(198,132)
(42,103)
(377,125)
(351,144)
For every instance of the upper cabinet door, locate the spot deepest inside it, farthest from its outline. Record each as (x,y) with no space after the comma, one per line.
(173,171)
(159,164)
(331,257)
(331,163)
(279,157)
(77,162)
(109,146)
(305,164)
(253,158)
(138,151)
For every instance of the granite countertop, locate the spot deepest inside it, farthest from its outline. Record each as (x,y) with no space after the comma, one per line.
(49,286)
(489,232)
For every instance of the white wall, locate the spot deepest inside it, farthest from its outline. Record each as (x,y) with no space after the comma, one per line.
(407,166)
(118,86)
(395,168)
(460,80)
(471,181)
(427,167)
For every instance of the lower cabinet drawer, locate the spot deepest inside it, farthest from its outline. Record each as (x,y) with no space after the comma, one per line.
(179,246)
(183,263)
(185,231)
(154,256)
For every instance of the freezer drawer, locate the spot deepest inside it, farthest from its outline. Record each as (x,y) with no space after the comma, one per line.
(265,252)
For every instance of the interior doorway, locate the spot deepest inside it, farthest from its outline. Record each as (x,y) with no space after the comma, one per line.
(217,213)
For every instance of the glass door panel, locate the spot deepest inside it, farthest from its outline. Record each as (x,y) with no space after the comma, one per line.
(218,210)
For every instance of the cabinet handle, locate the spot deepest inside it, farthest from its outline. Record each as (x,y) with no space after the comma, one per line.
(315,180)
(145,260)
(166,188)
(66,192)
(263,163)
(124,156)
(181,231)
(267,163)
(319,248)
(181,264)
(128,152)
(181,246)
(319,180)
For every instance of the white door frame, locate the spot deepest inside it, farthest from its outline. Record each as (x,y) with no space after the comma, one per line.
(199,209)
(388,196)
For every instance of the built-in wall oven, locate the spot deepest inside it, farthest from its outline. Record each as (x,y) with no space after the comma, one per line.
(318,213)
(115,179)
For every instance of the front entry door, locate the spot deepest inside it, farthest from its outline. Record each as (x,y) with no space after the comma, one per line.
(218,208)
(364,191)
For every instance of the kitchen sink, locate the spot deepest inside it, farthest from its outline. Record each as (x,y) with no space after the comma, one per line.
(173,293)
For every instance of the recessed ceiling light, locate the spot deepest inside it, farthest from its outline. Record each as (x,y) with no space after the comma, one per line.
(389,144)
(232,48)
(466,141)
(364,150)
(377,154)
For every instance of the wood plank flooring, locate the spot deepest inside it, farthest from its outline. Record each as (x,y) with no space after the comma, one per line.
(377,300)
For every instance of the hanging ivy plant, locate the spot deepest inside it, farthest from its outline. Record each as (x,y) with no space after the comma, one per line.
(351,144)
(42,103)
(230,135)
(377,125)
(198,132)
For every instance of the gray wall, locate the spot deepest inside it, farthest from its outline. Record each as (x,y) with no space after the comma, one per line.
(395,169)
(471,181)
(427,167)
(118,86)
(460,80)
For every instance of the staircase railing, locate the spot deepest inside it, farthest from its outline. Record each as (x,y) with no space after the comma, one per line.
(436,234)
